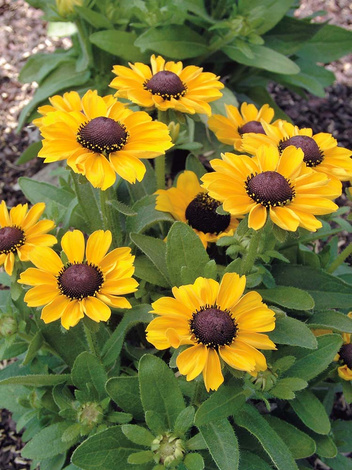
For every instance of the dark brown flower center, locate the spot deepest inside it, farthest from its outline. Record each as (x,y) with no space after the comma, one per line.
(346,355)
(269,188)
(213,327)
(201,214)
(313,156)
(251,126)
(102,134)
(80,280)
(166,84)
(11,238)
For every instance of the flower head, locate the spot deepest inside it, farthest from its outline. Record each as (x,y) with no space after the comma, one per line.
(231,129)
(190,203)
(167,85)
(321,151)
(218,322)
(269,183)
(103,139)
(20,233)
(89,283)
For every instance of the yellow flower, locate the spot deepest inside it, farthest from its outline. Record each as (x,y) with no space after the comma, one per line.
(66,7)
(20,233)
(189,203)
(281,186)
(320,150)
(345,356)
(167,85)
(217,322)
(70,101)
(103,140)
(89,283)
(231,129)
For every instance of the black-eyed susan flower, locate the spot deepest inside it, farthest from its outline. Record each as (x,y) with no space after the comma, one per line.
(167,85)
(102,140)
(218,322)
(21,232)
(190,203)
(89,283)
(321,151)
(231,129)
(269,183)
(69,101)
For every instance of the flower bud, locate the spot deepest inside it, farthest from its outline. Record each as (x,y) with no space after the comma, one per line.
(90,415)
(8,326)
(66,7)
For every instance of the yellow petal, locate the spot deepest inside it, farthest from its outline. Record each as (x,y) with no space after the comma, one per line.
(72,314)
(73,245)
(41,295)
(54,309)
(127,166)
(36,277)
(237,358)
(171,307)
(115,302)
(33,215)
(207,290)
(95,309)
(257,217)
(212,374)
(9,263)
(285,218)
(46,259)
(230,291)
(257,340)
(191,362)
(4,215)
(120,286)
(188,297)
(97,246)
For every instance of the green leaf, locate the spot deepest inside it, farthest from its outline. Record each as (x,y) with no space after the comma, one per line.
(37,380)
(122,208)
(94,18)
(228,98)
(347,390)
(138,434)
(173,41)
(54,463)
(299,443)
(331,320)
(269,12)
(193,164)
(311,412)
(87,369)
(185,254)
(340,462)
(263,58)
(30,153)
(325,446)
(330,43)
(250,418)
(146,215)
(342,432)
(141,457)
(119,44)
(63,78)
(48,443)
(125,393)
(294,332)
(288,297)
(286,387)
(328,291)
(146,270)
(155,249)
(194,462)
(37,191)
(160,391)
(33,348)
(221,404)
(310,364)
(112,347)
(184,421)
(38,66)
(107,450)
(222,444)
(251,461)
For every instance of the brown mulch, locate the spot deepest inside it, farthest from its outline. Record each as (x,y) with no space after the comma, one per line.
(23,33)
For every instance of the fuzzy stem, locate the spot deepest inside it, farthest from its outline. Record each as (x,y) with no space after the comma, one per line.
(91,340)
(251,255)
(340,259)
(110,217)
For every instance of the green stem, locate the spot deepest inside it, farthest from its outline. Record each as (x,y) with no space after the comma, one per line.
(86,45)
(159,165)
(251,255)
(91,340)
(340,259)
(197,396)
(110,216)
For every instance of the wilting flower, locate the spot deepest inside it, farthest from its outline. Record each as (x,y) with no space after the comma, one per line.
(231,129)
(167,85)
(103,140)
(190,203)
(321,151)
(70,101)
(66,7)
(281,186)
(87,284)
(218,322)
(20,233)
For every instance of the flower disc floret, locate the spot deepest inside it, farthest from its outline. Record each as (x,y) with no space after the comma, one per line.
(189,203)
(167,85)
(90,283)
(21,231)
(103,138)
(217,323)
(313,156)
(271,184)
